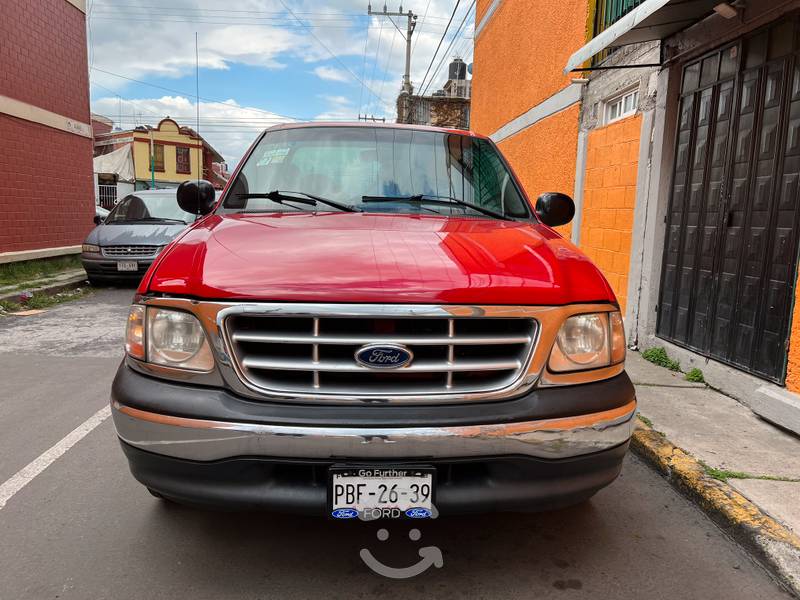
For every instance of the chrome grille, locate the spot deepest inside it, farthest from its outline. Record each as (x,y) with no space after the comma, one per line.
(130,251)
(316,354)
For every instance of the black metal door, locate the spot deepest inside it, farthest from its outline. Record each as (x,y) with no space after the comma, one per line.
(730,252)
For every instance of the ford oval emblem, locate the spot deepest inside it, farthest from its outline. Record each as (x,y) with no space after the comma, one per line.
(384,356)
(418,513)
(344,513)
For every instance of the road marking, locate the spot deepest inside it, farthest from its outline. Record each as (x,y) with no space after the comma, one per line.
(27,473)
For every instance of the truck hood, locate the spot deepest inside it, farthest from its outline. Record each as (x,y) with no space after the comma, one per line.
(362,257)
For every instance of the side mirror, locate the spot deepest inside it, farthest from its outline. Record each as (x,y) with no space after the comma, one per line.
(196,197)
(555,208)
(98,220)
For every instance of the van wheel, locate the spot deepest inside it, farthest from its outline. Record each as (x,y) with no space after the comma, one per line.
(94,281)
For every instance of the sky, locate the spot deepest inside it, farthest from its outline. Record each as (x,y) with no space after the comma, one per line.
(262,62)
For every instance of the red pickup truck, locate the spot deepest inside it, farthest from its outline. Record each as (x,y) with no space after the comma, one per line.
(374,321)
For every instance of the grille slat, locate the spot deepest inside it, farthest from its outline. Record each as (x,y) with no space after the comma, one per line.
(346,367)
(132,251)
(315,355)
(431,340)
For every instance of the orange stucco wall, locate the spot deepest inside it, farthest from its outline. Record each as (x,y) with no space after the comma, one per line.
(519,57)
(612,160)
(480,9)
(543,155)
(793,364)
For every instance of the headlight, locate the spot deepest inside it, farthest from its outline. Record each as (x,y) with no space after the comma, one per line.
(588,341)
(172,338)
(176,339)
(90,248)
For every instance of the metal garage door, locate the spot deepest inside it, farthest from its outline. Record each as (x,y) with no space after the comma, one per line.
(731,247)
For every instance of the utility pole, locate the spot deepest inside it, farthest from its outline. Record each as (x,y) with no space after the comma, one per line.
(408,89)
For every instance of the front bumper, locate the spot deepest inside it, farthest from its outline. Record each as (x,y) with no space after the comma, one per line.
(207,440)
(99,267)
(210,447)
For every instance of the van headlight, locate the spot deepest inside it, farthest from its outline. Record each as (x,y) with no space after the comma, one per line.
(173,338)
(588,341)
(90,248)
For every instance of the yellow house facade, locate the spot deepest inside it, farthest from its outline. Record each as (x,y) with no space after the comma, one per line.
(177,153)
(163,156)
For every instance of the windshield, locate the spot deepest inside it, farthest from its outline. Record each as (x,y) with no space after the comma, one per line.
(149,207)
(377,170)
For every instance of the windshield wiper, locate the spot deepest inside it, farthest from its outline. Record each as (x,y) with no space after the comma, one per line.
(282,196)
(444,200)
(153,219)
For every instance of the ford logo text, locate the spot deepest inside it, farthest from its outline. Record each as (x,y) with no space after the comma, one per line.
(344,513)
(383,356)
(418,512)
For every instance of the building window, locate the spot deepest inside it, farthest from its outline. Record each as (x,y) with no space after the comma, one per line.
(158,157)
(622,106)
(182,160)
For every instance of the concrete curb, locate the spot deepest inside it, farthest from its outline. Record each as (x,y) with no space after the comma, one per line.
(50,288)
(775,546)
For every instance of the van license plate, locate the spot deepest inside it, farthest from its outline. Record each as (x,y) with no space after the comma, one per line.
(381,492)
(127,265)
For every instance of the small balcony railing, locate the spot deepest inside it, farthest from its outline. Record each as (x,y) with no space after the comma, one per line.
(608,12)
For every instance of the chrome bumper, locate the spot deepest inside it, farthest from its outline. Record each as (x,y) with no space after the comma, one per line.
(204,440)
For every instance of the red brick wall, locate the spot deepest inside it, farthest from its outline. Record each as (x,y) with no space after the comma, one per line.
(46,187)
(43,56)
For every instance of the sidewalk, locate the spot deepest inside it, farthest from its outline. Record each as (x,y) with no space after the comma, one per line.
(51,284)
(743,471)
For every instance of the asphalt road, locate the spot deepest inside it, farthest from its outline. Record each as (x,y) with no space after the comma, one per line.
(83,528)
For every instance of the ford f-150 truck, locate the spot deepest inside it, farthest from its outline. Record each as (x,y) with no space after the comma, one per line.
(374,321)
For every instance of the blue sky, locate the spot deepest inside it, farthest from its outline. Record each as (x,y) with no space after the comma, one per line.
(261,61)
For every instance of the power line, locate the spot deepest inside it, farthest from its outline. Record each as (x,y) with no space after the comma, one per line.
(218,21)
(182,93)
(321,43)
(149,8)
(445,53)
(377,52)
(388,64)
(363,72)
(455,8)
(424,16)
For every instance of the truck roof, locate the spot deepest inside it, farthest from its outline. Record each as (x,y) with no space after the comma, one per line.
(302,124)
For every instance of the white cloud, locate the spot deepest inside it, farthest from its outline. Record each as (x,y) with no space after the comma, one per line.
(340,108)
(331,74)
(227,126)
(140,39)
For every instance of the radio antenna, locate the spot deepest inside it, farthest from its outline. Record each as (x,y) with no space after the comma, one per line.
(197,106)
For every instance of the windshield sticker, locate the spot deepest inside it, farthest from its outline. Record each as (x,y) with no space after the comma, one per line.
(273,156)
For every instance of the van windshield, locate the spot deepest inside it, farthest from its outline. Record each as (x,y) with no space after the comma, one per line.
(376,170)
(149,207)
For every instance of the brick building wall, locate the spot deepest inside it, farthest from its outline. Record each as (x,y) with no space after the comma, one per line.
(612,161)
(43,56)
(46,189)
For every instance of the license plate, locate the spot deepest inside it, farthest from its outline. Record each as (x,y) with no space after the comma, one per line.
(381,492)
(127,265)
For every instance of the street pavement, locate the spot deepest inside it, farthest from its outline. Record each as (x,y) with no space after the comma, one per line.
(81,527)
